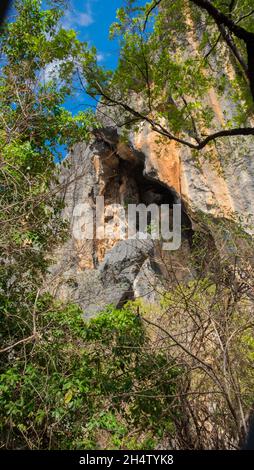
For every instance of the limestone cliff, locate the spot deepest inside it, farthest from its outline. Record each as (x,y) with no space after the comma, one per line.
(145,168)
(95,273)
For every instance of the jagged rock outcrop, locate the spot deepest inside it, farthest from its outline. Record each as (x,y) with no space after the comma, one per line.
(97,272)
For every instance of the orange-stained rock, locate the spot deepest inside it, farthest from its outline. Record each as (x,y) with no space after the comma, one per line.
(162,157)
(221,183)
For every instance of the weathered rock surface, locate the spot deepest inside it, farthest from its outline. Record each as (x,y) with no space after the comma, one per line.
(97,272)
(220,187)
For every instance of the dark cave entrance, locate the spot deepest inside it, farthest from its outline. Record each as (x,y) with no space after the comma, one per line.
(151,191)
(143,188)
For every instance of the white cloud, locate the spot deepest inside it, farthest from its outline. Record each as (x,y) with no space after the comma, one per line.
(103,56)
(51,70)
(84,19)
(100,57)
(75,17)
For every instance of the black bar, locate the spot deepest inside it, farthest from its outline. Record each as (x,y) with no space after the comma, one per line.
(111,459)
(4,5)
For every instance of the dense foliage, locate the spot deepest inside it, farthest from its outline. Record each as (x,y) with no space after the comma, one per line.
(183,72)
(179,374)
(33,126)
(63,384)
(81,385)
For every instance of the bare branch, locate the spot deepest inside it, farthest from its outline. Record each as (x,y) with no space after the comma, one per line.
(155,5)
(157,127)
(25,340)
(224,21)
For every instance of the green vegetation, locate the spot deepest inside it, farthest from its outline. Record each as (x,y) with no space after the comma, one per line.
(84,385)
(180,53)
(178,375)
(62,381)
(33,124)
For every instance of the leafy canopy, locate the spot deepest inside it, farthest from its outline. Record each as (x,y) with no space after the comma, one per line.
(81,381)
(39,62)
(181,70)
(33,124)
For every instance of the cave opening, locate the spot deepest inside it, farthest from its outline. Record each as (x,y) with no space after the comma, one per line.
(141,188)
(136,186)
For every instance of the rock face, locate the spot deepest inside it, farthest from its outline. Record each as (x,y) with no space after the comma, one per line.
(96,272)
(213,186)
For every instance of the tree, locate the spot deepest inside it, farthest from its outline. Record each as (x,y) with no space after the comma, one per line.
(86,385)
(58,387)
(38,61)
(205,323)
(173,54)
(3,9)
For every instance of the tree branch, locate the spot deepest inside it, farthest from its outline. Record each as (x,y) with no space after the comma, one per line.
(25,340)
(245,16)
(213,47)
(157,127)
(223,21)
(155,5)
(221,18)
(229,41)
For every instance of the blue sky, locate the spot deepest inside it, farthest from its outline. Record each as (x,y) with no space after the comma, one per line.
(92,19)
